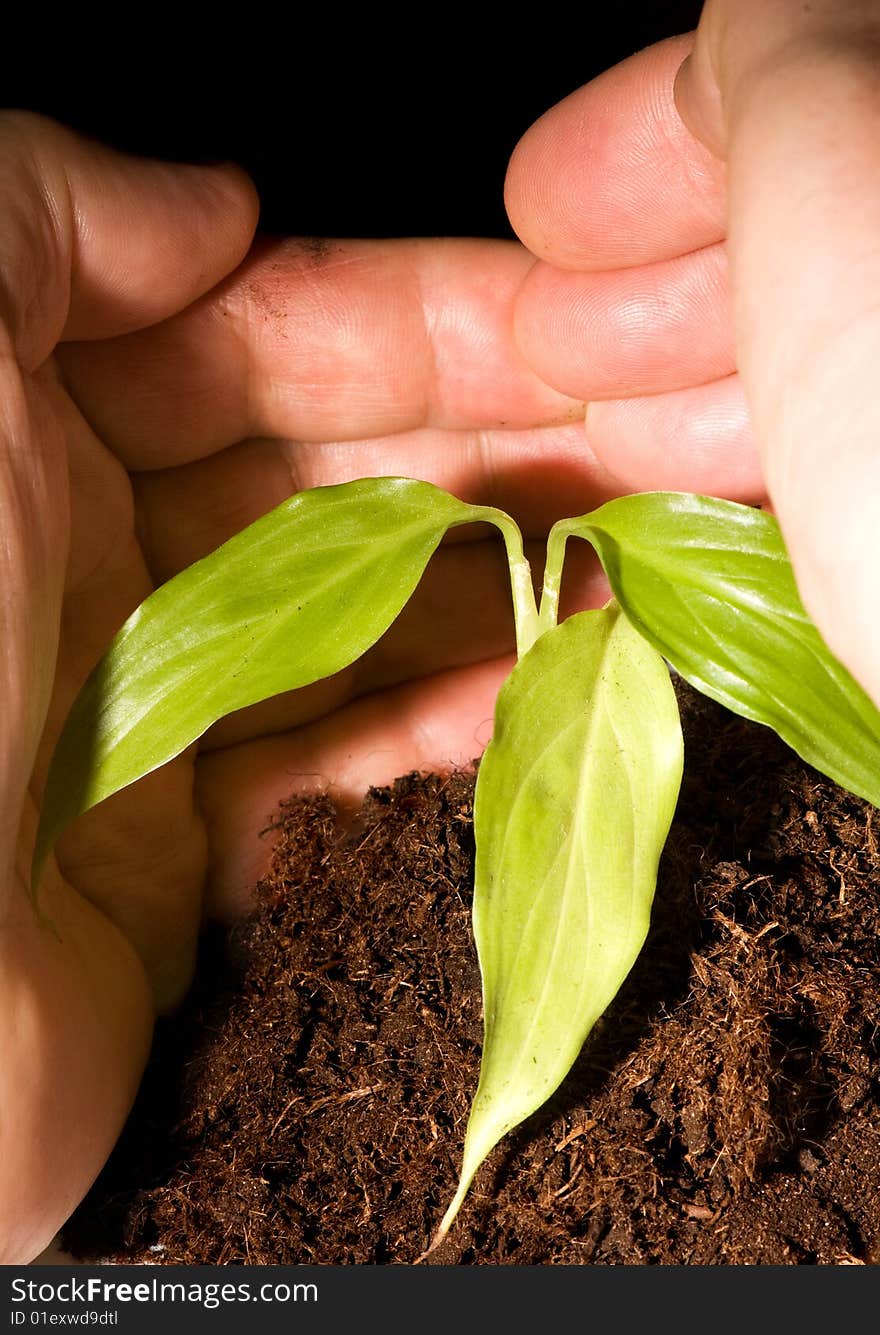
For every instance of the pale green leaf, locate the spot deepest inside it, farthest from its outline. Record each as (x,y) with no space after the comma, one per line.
(574,799)
(709,583)
(296,596)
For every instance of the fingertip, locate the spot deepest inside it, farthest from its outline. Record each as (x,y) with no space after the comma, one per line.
(151,237)
(236,203)
(98,243)
(585,183)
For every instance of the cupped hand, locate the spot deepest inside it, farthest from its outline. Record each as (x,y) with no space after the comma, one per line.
(713,292)
(163,384)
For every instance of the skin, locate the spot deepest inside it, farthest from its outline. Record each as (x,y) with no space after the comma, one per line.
(744,368)
(163,384)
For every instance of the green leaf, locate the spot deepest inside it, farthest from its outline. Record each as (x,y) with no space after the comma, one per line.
(575,794)
(296,596)
(710,584)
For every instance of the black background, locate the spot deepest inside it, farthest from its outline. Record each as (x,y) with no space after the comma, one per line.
(374,126)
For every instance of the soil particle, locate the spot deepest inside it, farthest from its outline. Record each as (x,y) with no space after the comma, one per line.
(308,1103)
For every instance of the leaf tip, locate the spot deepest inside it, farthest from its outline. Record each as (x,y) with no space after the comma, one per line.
(449,1218)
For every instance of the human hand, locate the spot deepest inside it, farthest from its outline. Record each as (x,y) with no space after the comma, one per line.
(124,456)
(721,316)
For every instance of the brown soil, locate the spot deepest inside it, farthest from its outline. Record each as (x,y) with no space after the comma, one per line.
(309,1103)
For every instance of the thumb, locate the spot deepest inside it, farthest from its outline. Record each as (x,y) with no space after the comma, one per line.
(98,243)
(789,95)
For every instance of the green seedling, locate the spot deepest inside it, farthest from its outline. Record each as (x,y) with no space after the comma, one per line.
(578,786)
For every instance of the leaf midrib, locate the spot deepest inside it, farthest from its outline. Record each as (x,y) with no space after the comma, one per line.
(598,702)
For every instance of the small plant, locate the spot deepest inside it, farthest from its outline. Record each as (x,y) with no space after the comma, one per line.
(578,786)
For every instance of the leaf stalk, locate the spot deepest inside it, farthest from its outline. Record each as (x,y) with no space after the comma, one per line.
(525,608)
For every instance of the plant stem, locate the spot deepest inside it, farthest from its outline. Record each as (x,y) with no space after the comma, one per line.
(525,609)
(557,538)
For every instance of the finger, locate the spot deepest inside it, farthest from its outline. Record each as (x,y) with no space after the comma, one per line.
(536,476)
(628,332)
(75,1021)
(801,119)
(101,243)
(345,342)
(714,449)
(610,177)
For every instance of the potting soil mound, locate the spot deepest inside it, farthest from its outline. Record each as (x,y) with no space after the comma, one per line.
(309,1102)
